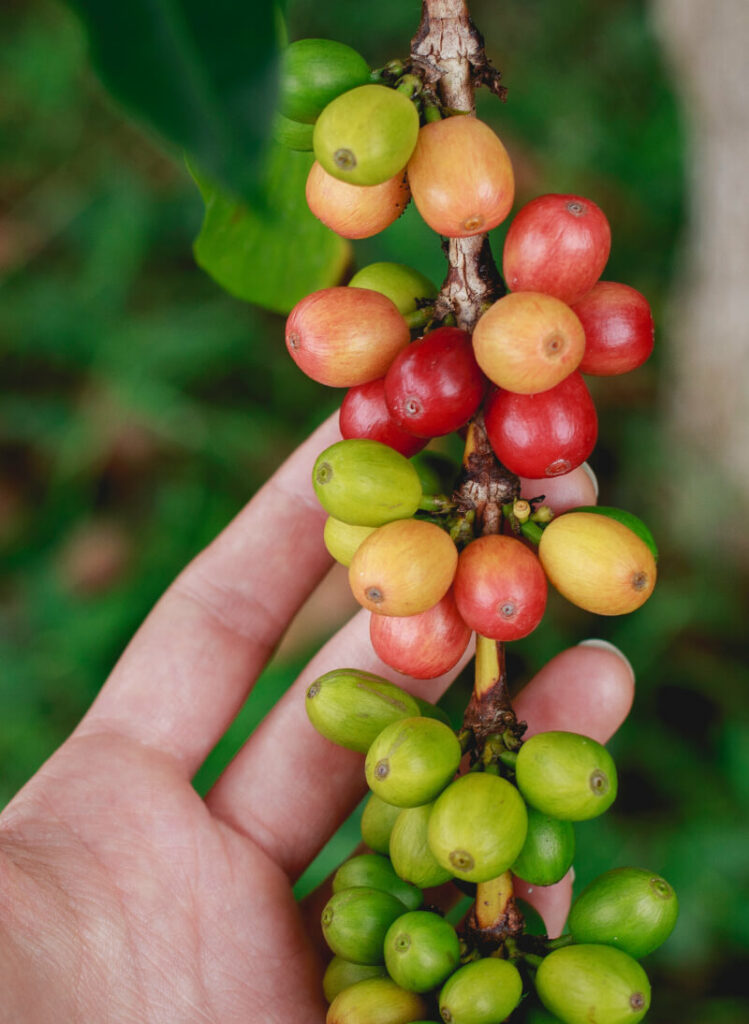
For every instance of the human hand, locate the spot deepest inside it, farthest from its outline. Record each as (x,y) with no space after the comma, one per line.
(123,895)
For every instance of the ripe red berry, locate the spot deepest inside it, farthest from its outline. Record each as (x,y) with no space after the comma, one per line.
(618,329)
(546,434)
(423,646)
(500,588)
(364,413)
(345,336)
(435,385)
(558,245)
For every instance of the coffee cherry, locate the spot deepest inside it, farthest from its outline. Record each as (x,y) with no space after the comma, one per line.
(366,135)
(618,327)
(548,849)
(566,775)
(410,853)
(355,211)
(351,707)
(403,285)
(528,342)
(584,983)
(375,872)
(629,908)
(628,519)
(482,992)
(366,483)
(423,646)
(500,588)
(477,826)
(558,245)
(377,823)
(376,1001)
(403,568)
(342,539)
(437,472)
(461,177)
(341,974)
(292,134)
(548,434)
(597,563)
(314,72)
(434,386)
(421,950)
(364,413)
(411,761)
(355,922)
(345,336)
(427,710)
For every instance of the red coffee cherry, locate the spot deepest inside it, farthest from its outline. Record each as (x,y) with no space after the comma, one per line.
(364,413)
(558,245)
(618,329)
(461,177)
(345,336)
(543,435)
(355,211)
(500,588)
(423,646)
(527,342)
(435,385)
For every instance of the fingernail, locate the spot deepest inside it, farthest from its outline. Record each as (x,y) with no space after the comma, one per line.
(606,646)
(593,478)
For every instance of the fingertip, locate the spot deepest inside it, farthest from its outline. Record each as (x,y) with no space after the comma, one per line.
(587,689)
(562,493)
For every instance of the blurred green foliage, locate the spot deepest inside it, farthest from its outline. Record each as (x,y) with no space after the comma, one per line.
(141,407)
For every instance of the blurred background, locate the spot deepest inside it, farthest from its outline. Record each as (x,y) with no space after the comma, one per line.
(141,406)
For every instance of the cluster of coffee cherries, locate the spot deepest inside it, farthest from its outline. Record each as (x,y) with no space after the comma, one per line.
(426,827)
(406,528)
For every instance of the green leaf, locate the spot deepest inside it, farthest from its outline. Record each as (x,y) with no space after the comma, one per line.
(203,75)
(272,256)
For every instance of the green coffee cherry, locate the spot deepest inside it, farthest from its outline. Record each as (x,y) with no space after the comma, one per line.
(533,922)
(403,285)
(341,974)
(314,72)
(343,540)
(580,984)
(548,849)
(355,922)
(482,992)
(566,775)
(376,1001)
(428,710)
(437,472)
(478,826)
(411,761)
(377,823)
(367,135)
(376,872)
(366,483)
(421,950)
(410,853)
(351,707)
(629,908)
(292,134)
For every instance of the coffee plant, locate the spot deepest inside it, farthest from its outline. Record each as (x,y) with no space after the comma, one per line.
(498,359)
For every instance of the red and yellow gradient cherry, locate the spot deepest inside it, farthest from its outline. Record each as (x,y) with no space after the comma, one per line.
(558,245)
(403,568)
(461,177)
(434,386)
(364,413)
(500,588)
(345,336)
(425,645)
(527,342)
(618,327)
(355,211)
(597,563)
(547,434)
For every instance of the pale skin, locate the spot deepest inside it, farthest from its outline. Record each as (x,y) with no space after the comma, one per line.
(124,896)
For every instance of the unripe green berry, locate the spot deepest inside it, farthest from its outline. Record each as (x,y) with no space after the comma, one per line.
(482,992)
(411,761)
(341,974)
(376,1001)
(410,853)
(548,849)
(351,707)
(366,483)
(314,72)
(566,775)
(588,983)
(377,823)
(403,285)
(421,950)
(355,922)
(376,872)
